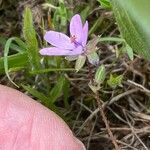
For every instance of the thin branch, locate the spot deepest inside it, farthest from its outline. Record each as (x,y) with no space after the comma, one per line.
(116,98)
(113,139)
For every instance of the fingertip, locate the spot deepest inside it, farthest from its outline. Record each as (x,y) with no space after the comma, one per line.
(80,144)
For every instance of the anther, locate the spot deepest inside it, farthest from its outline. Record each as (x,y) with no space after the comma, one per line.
(73,39)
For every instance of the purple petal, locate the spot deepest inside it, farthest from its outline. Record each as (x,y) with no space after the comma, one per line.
(85,34)
(76,27)
(59,40)
(54,51)
(76,51)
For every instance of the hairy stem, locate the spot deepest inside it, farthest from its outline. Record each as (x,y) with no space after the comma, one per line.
(97,97)
(113,139)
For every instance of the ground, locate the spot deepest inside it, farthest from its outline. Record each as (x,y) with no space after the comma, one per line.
(126,106)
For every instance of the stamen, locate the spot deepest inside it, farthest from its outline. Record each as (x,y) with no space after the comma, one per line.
(73,39)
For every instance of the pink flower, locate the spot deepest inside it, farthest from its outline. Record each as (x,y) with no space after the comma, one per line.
(64,45)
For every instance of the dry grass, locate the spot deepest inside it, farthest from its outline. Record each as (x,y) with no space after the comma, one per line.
(126,107)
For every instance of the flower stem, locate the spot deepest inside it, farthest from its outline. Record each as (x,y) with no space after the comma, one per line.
(97,97)
(113,139)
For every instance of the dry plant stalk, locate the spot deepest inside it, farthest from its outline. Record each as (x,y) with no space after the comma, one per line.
(113,139)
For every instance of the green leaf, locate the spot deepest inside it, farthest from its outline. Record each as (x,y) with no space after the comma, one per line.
(100,74)
(134,23)
(111,39)
(19,46)
(14,61)
(57,89)
(61,16)
(85,12)
(115,81)
(6,51)
(129,51)
(66,92)
(31,40)
(80,62)
(96,25)
(105,3)
(93,58)
(42,71)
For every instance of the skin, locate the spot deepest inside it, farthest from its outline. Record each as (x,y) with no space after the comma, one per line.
(27,125)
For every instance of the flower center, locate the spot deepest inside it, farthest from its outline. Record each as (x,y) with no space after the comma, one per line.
(73,39)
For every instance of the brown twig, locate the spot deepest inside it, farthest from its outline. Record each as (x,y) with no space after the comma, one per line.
(106,122)
(97,97)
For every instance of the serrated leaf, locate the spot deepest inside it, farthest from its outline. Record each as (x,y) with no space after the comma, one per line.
(134,23)
(100,74)
(114,81)
(80,62)
(31,40)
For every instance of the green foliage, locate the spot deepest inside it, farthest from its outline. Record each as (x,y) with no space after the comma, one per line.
(41,97)
(105,3)
(134,25)
(114,81)
(111,39)
(129,51)
(19,46)
(96,25)
(80,62)
(44,99)
(19,60)
(6,51)
(31,40)
(60,15)
(100,74)
(99,78)
(85,12)
(93,58)
(42,71)
(66,91)
(56,91)
(55,82)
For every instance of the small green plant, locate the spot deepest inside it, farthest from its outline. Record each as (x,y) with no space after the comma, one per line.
(100,74)
(99,78)
(115,81)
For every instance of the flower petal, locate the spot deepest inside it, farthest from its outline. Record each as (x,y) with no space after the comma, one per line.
(85,34)
(54,51)
(59,40)
(76,27)
(76,51)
